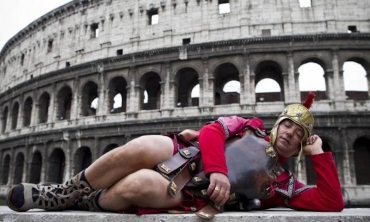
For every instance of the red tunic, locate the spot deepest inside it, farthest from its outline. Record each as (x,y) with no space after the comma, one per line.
(325,196)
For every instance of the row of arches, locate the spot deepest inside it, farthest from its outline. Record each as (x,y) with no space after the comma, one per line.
(55,164)
(187,91)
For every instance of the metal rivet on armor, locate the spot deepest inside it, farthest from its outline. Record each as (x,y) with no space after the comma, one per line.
(197,179)
(166,168)
(187,152)
(193,166)
(232,196)
(173,187)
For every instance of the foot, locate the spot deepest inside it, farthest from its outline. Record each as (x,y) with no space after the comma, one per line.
(25,196)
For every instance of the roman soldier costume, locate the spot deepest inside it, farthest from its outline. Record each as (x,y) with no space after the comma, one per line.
(275,187)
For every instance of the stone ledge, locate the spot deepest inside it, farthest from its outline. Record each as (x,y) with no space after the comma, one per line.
(281,214)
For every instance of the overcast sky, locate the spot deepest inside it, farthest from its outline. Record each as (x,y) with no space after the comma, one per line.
(17,14)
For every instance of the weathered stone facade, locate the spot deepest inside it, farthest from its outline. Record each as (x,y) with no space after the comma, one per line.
(85,50)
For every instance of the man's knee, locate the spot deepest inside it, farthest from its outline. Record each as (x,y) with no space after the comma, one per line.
(138,185)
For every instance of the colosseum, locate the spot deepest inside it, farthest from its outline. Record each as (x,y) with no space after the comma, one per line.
(91,75)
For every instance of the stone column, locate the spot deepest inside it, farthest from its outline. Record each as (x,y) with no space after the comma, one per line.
(27,164)
(133,97)
(102,103)
(339,92)
(244,79)
(35,109)
(207,89)
(35,114)
(252,90)
(167,89)
(44,162)
(292,83)
(348,169)
(12,166)
(75,108)
(69,167)
(52,108)
(297,90)
(286,87)
(20,114)
(329,84)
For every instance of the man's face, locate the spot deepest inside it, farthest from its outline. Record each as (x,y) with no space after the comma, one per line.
(288,138)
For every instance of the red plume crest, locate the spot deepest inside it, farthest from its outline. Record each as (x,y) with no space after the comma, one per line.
(309,100)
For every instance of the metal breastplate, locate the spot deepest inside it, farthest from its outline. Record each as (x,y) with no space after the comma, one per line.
(250,168)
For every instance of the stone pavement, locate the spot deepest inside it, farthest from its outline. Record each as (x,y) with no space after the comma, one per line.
(281,214)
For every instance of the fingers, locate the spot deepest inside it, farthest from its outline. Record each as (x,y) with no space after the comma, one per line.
(313,145)
(312,139)
(219,188)
(220,196)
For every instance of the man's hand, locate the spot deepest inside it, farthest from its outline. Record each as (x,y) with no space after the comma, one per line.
(313,145)
(219,188)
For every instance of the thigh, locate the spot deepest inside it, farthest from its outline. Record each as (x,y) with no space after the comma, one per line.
(144,188)
(144,152)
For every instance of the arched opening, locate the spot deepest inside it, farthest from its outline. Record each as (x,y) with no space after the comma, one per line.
(267,90)
(18,171)
(272,72)
(36,166)
(64,103)
(56,166)
(4,119)
(15,112)
(5,170)
(117,95)
(27,111)
(311,79)
(44,103)
(82,159)
(150,82)
(226,74)
(89,99)
(361,158)
(355,81)
(185,79)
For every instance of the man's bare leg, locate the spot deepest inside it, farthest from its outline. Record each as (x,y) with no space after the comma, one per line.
(144,188)
(144,152)
(141,153)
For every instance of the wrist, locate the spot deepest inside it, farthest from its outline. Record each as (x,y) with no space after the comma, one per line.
(316,151)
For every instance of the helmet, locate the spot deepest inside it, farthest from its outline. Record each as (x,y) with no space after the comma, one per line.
(298,113)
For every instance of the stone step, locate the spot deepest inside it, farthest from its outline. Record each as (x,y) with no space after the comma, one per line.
(280,214)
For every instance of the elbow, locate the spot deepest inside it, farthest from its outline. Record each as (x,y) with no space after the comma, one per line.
(338,207)
(335,205)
